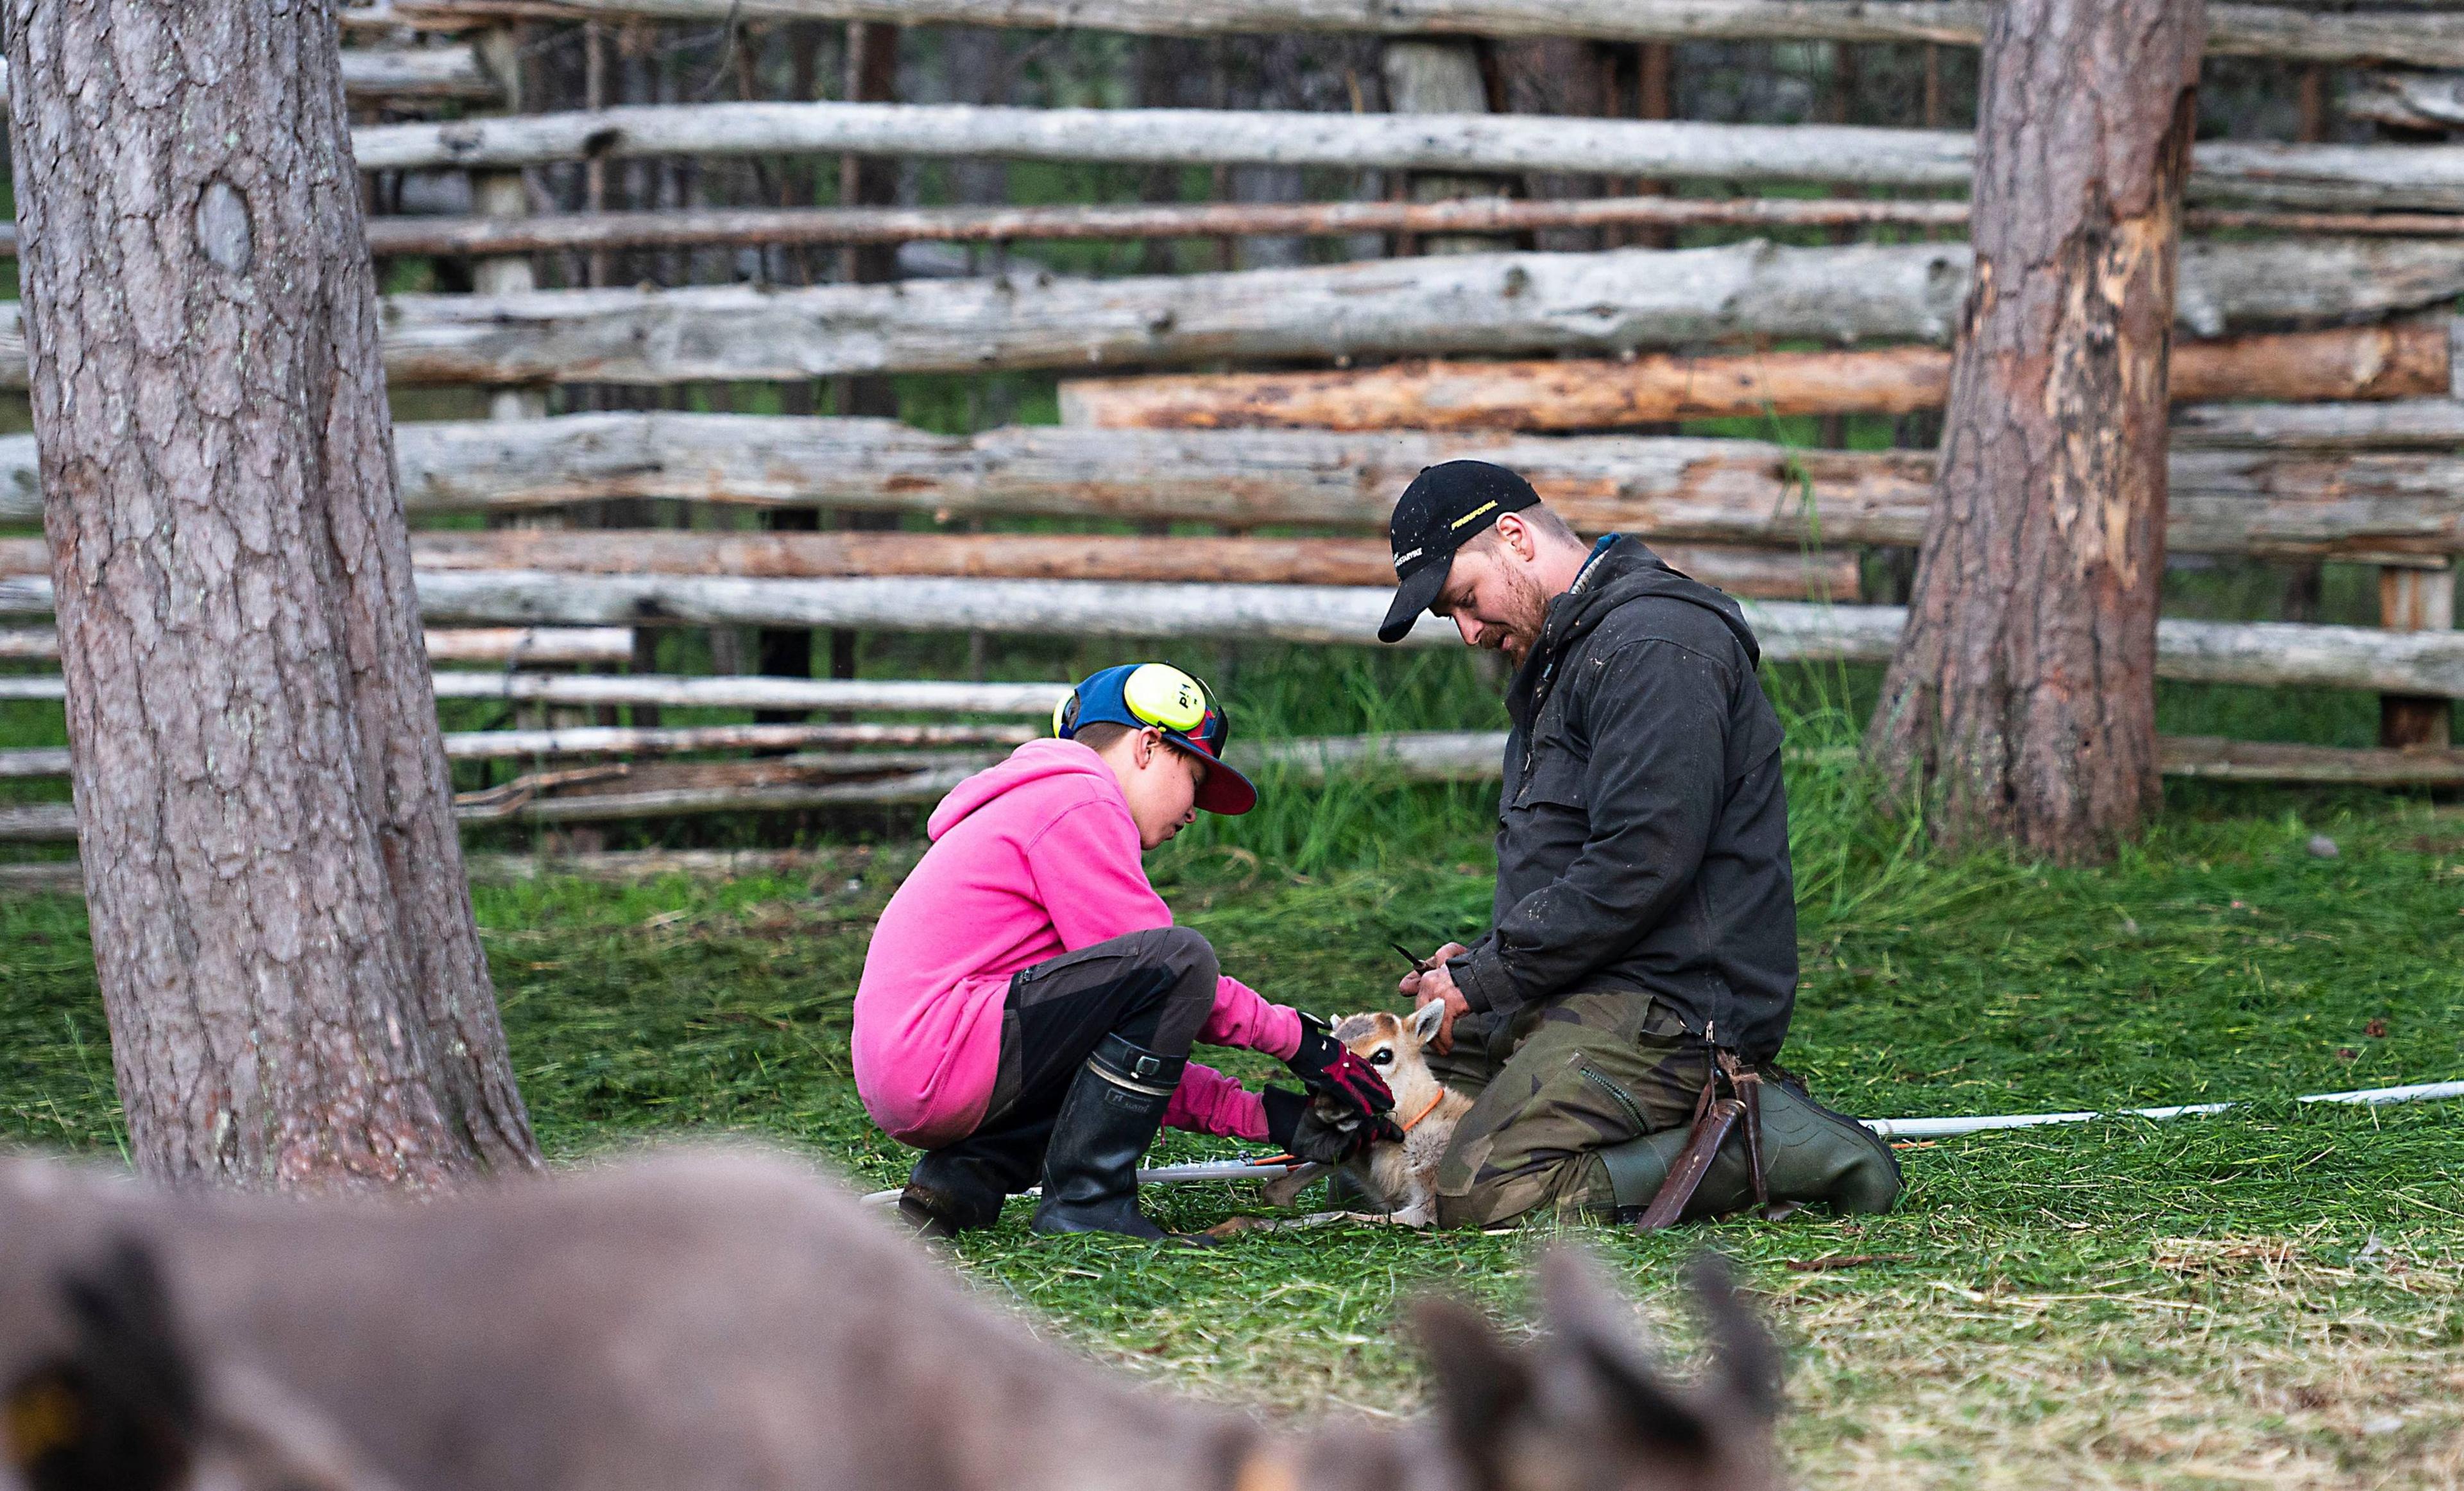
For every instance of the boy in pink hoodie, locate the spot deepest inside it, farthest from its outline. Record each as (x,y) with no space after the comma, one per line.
(1028,1006)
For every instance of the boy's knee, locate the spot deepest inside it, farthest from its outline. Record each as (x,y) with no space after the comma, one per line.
(1189,957)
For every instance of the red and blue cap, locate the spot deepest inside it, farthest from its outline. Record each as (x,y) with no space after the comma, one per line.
(1157,695)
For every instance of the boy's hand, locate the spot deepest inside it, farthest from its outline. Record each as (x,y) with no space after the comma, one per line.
(1308,1129)
(1436,981)
(1329,1070)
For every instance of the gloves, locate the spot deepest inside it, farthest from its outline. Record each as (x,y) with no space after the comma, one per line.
(1317,1131)
(1328,1070)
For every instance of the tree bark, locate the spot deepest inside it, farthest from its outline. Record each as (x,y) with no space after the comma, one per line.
(2021,695)
(282,933)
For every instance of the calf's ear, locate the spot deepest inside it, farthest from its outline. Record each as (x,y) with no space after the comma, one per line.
(1425,1018)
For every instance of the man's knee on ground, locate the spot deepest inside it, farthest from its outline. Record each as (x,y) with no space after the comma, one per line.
(1562,1189)
(1483,1183)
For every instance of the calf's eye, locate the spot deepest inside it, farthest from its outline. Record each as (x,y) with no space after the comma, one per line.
(1381,1056)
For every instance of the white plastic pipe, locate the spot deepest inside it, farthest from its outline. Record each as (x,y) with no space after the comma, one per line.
(1887,1128)
(1950,1127)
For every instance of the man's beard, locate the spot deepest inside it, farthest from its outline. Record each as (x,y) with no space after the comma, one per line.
(1529,608)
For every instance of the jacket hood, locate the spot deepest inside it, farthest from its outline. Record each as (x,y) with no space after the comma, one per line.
(1036,761)
(1629,570)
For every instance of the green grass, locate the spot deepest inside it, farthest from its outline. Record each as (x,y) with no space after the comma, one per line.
(2269,1295)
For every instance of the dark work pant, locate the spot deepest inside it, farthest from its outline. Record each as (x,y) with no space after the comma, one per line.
(1154,989)
(1565,1079)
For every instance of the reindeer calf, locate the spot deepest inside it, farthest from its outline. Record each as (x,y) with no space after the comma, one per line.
(723,1322)
(1401,1174)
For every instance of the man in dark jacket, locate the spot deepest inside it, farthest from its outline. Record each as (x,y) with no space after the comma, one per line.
(1645,916)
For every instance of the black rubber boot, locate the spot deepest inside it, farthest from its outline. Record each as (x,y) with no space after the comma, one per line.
(1811,1156)
(961,1187)
(1090,1169)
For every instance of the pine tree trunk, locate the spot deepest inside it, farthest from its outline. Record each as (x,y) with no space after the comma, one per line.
(297,993)
(2021,698)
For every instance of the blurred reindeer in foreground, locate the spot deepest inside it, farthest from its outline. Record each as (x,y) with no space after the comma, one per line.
(721,1320)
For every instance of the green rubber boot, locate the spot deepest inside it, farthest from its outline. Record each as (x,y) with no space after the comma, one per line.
(1811,1156)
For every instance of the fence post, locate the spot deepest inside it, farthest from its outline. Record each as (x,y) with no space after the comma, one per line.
(2416,600)
(506,193)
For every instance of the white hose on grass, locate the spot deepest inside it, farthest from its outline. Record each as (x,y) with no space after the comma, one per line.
(1887,1128)
(1952,1127)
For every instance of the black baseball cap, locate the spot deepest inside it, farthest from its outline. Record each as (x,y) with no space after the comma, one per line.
(1445,507)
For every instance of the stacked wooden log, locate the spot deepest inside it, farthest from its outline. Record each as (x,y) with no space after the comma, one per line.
(2316,379)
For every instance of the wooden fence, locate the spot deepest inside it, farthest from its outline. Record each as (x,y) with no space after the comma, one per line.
(2317,414)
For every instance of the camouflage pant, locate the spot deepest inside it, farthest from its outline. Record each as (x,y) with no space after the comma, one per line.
(1563,1078)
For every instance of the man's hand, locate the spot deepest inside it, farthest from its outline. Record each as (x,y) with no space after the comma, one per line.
(1437,984)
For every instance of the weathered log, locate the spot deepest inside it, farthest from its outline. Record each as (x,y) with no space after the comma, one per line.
(1606,304)
(400,75)
(43,761)
(620,789)
(403,74)
(2325,34)
(1759,573)
(2425,103)
(1478,756)
(2215,759)
(652,741)
(923,785)
(2260,652)
(2353,363)
(2398,225)
(1603,303)
(1671,490)
(2401,424)
(747,227)
(1936,159)
(527,647)
(2358,177)
(1474,756)
(620,865)
(1032,699)
(1035,701)
(986,555)
(2284,505)
(517,646)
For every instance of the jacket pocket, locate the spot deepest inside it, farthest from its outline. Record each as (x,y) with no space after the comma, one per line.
(1553,775)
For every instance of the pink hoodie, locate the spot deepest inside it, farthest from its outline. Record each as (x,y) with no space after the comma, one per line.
(1031,859)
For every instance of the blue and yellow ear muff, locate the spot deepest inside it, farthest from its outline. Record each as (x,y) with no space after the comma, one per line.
(1139,694)
(1161,694)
